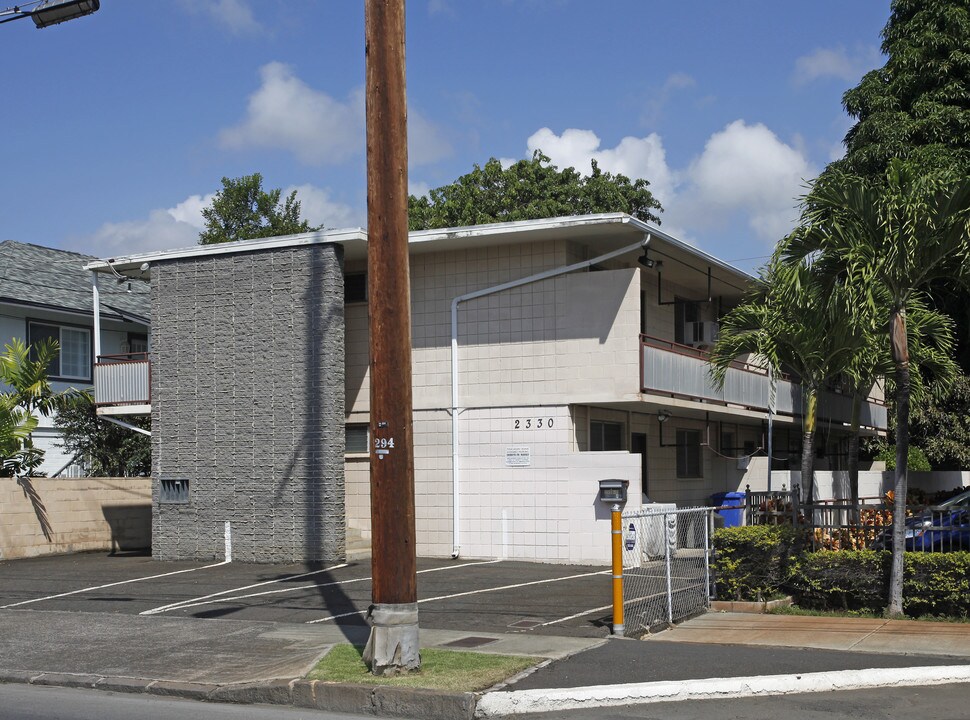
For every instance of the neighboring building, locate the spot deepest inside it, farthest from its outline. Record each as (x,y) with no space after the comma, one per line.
(46,293)
(547,355)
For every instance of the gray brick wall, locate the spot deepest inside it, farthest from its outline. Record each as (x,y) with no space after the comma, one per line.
(248,405)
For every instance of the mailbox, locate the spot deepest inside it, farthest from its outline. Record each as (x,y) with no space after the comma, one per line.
(613,491)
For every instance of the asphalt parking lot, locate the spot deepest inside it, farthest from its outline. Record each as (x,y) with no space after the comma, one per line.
(467,595)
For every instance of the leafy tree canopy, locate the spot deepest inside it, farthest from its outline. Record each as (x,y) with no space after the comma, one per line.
(528,190)
(941,425)
(108,450)
(242,210)
(917,106)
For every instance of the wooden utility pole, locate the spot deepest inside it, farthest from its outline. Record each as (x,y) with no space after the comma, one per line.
(393,643)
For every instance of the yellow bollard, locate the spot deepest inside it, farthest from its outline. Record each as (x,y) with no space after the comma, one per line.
(617,529)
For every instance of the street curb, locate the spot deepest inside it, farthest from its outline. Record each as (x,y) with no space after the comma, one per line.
(417,703)
(501,704)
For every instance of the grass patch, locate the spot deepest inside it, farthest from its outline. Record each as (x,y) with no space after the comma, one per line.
(440,669)
(795,610)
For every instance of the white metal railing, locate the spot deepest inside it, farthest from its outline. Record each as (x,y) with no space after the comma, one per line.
(687,373)
(122,379)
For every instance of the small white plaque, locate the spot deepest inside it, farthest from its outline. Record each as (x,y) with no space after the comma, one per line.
(518,456)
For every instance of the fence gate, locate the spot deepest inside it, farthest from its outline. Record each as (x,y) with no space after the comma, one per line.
(666,560)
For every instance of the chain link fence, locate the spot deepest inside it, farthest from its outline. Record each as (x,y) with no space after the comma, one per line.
(666,561)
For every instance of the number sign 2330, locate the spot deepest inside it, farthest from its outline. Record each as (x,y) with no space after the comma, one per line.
(532,424)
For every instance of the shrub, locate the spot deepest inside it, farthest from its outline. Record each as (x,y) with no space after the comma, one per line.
(937,584)
(841,580)
(751,562)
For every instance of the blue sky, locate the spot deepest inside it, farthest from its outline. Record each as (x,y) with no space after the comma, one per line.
(119,126)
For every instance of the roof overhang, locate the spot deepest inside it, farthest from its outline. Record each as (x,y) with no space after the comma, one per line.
(602,232)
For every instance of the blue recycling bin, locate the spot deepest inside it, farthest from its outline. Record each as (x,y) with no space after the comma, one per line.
(732,507)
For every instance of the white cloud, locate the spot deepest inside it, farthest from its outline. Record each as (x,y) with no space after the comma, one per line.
(318,208)
(835,62)
(634,157)
(418,188)
(160,231)
(746,168)
(744,172)
(234,15)
(285,113)
(179,226)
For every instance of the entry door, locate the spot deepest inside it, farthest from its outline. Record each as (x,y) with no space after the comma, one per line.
(638,445)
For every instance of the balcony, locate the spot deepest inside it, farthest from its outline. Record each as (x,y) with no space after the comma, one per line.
(683,371)
(122,384)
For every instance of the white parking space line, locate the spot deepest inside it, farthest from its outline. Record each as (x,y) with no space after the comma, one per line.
(220,597)
(108,585)
(193,602)
(471,592)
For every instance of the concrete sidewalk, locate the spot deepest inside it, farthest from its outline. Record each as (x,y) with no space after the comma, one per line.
(246,661)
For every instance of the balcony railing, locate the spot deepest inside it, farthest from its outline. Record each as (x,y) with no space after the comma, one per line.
(667,367)
(122,379)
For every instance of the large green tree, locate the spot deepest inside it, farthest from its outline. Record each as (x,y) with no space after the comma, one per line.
(528,190)
(917,106)
(889,239)
(242,210)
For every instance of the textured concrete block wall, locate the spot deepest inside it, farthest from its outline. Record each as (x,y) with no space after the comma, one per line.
(248,405)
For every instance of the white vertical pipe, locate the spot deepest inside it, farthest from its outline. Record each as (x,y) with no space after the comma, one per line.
(96,292)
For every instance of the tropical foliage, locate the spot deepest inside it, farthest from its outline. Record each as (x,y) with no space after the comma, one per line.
(528,190)
(889,240)
(23,370)
(242,210)
(108,449)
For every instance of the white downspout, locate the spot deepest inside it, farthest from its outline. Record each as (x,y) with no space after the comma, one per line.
(545,275)
(97,315)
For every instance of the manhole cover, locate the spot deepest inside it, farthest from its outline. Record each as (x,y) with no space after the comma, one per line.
(469,642)
(526,624)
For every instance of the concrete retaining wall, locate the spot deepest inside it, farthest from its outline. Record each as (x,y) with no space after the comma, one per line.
(47,516)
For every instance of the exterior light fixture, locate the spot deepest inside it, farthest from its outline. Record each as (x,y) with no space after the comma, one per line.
(50,12)
(663,416)
(645,260)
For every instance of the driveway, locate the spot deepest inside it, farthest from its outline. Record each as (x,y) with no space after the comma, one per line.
(466,595)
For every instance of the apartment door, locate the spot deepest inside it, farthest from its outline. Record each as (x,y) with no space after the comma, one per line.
(638,445)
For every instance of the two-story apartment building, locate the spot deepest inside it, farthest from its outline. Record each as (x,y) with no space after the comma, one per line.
(547,355)
(46,293)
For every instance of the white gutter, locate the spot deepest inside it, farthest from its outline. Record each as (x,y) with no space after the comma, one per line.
(545,275)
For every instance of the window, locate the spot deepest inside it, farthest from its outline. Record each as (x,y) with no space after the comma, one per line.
(74,360)
(355,288)
(604,436)
(137,343)
(685,311)
(356,435)
(689,454)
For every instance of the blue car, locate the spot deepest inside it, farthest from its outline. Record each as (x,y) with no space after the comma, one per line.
(940,528)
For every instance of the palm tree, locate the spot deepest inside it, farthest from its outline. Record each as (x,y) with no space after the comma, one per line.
(787,324)
(892,237)
(24,370)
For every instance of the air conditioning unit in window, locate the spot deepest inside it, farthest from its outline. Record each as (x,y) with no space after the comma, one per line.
(700,334)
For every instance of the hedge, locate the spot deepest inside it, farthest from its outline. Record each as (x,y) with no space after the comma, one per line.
(752,563)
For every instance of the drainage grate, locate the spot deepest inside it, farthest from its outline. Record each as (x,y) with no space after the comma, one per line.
(526,624)
(470,642)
